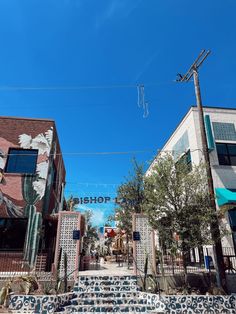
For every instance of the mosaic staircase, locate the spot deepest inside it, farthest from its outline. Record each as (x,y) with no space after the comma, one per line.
(107,294)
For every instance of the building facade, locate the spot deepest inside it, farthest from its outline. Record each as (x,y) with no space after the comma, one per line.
(220,124)
(32,181)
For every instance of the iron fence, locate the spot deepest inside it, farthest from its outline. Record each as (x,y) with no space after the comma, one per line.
(229,259)
(196,260)
(174,264)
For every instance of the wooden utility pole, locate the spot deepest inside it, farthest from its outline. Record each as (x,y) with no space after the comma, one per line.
(215,231)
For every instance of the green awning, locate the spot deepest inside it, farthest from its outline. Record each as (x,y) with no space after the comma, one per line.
(225,196)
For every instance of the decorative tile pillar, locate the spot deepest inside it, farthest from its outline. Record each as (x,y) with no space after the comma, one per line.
(145,246)
(68,222)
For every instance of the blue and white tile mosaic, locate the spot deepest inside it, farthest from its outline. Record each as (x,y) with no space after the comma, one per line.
(187,304)
(113,294)
(42,304)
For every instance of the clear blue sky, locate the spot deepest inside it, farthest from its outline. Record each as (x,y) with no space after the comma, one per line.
(105,43)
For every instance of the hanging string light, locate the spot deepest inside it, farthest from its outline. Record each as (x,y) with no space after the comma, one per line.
(141,100)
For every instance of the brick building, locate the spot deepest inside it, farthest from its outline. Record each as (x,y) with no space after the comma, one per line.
(32,180)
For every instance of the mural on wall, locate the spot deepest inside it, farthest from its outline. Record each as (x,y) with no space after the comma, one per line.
(27,189)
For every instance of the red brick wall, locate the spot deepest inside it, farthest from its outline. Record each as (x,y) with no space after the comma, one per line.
(11,128)
(11,186)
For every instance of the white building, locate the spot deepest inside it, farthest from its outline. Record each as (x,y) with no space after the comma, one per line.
(220,126)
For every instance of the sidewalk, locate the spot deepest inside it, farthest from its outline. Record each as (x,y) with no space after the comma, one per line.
(108,269)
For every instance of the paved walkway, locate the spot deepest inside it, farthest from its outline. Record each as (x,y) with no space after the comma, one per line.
(109,268)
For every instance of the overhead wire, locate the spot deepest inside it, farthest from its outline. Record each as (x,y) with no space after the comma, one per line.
(78,87)
(141,95)
(106,152)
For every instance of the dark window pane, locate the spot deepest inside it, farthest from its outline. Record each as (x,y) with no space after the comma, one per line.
(233,160)
(221,149)
(232,219)
(188,157)
(22,161)
(185,160)
(54,176)
(232,149)
(12,233)
(223,160)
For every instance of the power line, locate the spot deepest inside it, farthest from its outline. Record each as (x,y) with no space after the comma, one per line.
(110,153)
(86,153)
(2,155)
(93,184)
(78,87)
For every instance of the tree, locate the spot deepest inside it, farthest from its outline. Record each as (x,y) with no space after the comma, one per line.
(91,232)
(178,203)
(130,196)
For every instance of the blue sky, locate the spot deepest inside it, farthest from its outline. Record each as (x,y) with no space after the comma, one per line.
(111,46)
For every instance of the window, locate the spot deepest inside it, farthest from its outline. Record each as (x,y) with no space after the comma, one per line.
(226,154)
(232,218)
(12,233)
(181,146)
(224,131)
(54,176)
(22,161)
(186,160)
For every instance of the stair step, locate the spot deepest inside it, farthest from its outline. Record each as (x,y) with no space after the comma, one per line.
(128,277)
(105,301)
(107,283)
(107,289)
(107,294)
(120,308)
(110,296)
(115,311)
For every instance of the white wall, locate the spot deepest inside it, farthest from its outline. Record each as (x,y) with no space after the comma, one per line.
(223,176)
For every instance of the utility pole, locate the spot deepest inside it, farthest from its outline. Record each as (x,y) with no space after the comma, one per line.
(215,231)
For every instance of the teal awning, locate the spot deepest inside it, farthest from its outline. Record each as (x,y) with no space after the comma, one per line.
(225,196)
(210,139)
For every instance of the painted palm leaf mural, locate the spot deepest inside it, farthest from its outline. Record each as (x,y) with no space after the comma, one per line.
(20,194)
(34,219)
(33,190)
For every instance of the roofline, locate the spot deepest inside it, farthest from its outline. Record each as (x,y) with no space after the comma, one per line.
(192,108)
(213,107)
(28,119)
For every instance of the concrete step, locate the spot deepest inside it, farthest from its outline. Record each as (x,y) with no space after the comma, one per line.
(68,311)
(107,283)
(105,301)
(125,277)
(86,295)
(111,308)
(107,289)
